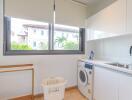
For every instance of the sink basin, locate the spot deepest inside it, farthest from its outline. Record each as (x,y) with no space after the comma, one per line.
(119,65)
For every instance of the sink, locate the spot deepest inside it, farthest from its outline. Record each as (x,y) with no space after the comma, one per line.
(119,65)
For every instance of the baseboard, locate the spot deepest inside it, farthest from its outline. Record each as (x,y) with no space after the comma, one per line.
(29,97)
(70,88)
(26,97)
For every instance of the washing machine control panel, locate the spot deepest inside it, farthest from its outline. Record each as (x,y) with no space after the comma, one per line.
(89,65)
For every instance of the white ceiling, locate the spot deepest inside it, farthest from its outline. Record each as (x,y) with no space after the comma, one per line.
(92,2)
(88,2)
(95,5)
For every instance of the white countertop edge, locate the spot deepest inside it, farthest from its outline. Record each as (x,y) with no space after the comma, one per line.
(101,63)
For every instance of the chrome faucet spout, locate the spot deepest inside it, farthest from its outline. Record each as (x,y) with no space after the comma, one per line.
(130,50)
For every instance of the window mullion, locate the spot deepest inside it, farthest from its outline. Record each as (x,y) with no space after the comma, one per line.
(53,25)
(50,36)
(52,41)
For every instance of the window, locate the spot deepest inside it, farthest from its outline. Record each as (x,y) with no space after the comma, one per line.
(24,35)
(42,32)
(34,44)
(33,37)
(66,38)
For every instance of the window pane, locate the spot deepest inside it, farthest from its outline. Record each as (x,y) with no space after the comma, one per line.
(29,35)
(66,38)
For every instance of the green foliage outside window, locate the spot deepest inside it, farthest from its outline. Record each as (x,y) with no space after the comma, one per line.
(60,41)
(16,46)
(70,45)
(66,44)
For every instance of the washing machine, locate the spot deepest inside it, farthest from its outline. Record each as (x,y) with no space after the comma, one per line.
(85,79)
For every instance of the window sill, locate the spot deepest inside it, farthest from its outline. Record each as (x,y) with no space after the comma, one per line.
(34,52)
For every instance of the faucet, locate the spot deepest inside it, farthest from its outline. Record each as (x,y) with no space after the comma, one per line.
(130,50)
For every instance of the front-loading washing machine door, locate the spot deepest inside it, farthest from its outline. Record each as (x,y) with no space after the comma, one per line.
(82,77)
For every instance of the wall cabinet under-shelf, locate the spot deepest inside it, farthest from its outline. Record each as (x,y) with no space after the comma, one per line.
(95,34)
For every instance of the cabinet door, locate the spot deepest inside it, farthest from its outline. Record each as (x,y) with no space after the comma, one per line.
(105,84)
(125,87)
(110,21)
(129,16)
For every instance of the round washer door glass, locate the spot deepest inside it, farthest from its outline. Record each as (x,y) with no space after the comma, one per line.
(83,77)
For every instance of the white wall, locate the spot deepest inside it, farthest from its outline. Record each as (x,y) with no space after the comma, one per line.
(15,84)
(113,49)
(99,5)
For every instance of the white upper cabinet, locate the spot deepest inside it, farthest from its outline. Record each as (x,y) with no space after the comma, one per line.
(111,21)
(129,16)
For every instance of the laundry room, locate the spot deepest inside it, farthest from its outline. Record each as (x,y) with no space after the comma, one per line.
(65,50)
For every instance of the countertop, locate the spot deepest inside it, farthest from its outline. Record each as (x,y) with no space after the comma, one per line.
(102,63)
